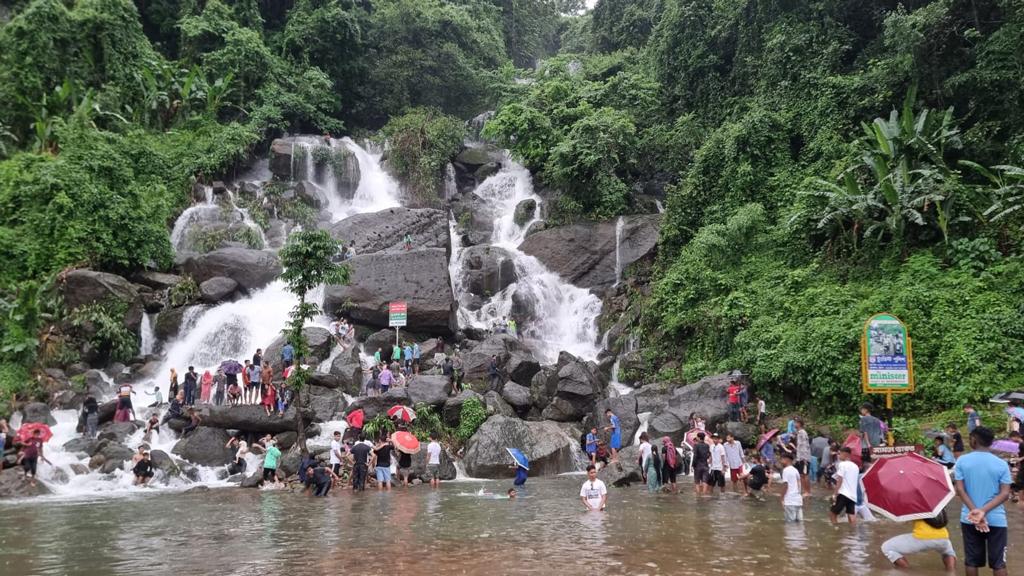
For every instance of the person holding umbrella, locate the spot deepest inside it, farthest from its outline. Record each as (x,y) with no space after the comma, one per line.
(983,484)
(32,452)
(522,466)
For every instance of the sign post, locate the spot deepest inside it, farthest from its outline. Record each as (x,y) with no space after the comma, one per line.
(887,360)
(397,317)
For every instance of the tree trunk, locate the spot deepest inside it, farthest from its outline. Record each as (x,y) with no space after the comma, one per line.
(300,421)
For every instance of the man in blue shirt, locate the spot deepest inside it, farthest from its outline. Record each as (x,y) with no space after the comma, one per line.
(973,419)
(287,355)
(592,445)
(615,442)
(407,352)
(983,484)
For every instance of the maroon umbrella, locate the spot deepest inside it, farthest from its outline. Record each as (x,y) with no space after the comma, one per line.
(907,487)
(853,443)
(766,437)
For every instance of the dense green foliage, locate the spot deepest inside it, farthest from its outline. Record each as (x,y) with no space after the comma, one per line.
(820,162)
(420,144)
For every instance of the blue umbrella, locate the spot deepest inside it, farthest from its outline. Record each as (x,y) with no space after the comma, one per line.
(1016,412)
(519,458)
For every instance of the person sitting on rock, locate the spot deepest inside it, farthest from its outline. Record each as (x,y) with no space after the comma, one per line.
(193,423)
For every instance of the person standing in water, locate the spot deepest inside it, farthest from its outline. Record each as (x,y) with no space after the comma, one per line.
(792,498)
(983,485)
(669,463)
(701,465)
(615,442)
(383,452)
(844,497)
(593,493)
(434,462)
(360,456)
(270,459)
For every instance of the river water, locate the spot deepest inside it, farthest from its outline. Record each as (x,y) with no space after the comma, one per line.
(455,530)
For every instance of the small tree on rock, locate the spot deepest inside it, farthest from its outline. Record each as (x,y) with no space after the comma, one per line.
(308,262)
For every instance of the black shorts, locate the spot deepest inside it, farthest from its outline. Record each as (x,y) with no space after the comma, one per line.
(29,465)
(668,474)
(336,468)
(982,546)
(801,467)
(844,504)
(144,475)
(717,479)
(700,474)
(269,473)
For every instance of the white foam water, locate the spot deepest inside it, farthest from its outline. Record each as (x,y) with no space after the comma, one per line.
(563,316)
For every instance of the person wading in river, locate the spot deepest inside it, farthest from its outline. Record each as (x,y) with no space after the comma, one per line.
(792,500)
(360,456)
(701,465)
(983,484)
(593,493)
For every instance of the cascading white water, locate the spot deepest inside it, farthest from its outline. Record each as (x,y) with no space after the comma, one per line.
(147,334)
(657,204)
(618,250)
(450,186)
(619,388)
(207,336)
(564,316)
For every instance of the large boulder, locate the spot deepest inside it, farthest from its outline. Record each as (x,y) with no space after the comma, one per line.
(748,434)
(452,410)
(525,211)
(174,320)
(550,447)
(384,231)
(319,340)
(347,369)
(114,453)
(252,269)
(518,397)
(37,412)
(156,280)
(580,385)
(496,405)
(707,397)
(428,389)
(82,287)
(590,254)
(476,360)
(521,367)
(380,339)
(117,431)
(12,485)
(82,445)
(244,417)
(162,461)
(205,446)
(417,277)
(217,289)
(326,403)
(487,270)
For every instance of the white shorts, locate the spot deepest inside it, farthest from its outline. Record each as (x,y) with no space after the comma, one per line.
(794,513)
(905,544)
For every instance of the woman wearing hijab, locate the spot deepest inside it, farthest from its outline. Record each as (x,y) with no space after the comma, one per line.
(205,386)
(669,463)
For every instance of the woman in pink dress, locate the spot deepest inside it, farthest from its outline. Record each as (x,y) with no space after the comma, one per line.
(206,386)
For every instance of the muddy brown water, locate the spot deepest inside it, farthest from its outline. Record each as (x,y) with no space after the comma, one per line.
(454,530)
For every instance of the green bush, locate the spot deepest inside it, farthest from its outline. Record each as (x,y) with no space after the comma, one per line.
(101,324)
(421,142)
(472,415)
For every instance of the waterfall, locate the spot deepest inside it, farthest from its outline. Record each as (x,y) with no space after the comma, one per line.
(377,189)
(657,204)
(147,334)
(618,250)
(561,316)
(619,388)
(450,187)
(645,419)
(197,213)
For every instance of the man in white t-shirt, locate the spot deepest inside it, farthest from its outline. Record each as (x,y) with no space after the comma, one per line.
(792,499)
(434,462)
(844,499)
(717,464)
(593,494)
(734,461)
(336,450)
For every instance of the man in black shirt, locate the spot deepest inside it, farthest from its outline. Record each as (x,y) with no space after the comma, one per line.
(404,467)
(757,478)
(319,479)
(360,455)
(143,470)
(90,411)
(701,465)
(383,452)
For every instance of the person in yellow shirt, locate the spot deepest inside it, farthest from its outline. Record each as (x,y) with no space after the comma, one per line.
(929,535)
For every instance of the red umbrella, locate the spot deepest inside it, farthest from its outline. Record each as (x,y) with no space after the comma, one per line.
(853,443)
(403,412)
(405,442)
(907,487)
(27,430)
(355,418)
(766,437)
